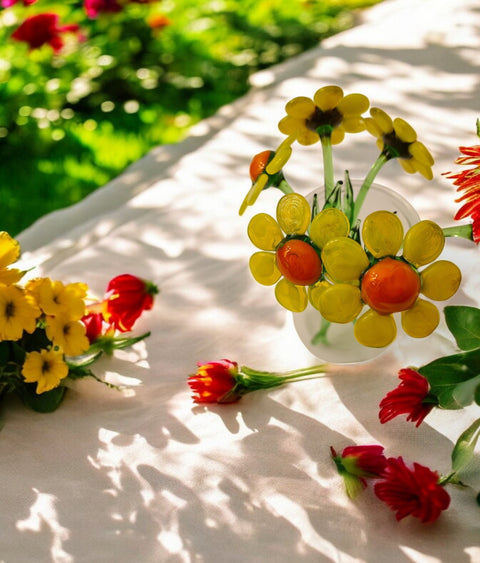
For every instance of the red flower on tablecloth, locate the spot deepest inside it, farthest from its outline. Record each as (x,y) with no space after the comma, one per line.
(126,297)
(8,3)
(95,7)
(94,325)
(468,182)
(412,491)
(214,381)
(411,397)
(357,463)
(43,29)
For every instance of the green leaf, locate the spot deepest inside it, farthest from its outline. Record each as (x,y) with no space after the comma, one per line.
(463,452)
(464,323)
(43,402)
(448,377)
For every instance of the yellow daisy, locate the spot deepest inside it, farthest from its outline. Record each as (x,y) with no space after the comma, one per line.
(9,253)
(55,298)
(67,334)
(18,313)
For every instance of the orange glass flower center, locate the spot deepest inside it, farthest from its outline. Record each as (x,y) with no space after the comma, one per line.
(258,164)
(390,286)
(299,262)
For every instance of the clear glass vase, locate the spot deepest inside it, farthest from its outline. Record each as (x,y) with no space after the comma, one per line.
(339,345)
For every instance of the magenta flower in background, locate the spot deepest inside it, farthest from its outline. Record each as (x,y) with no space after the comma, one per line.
(95,7)
(8,3)
(412,491)
(43,29)
(411,397)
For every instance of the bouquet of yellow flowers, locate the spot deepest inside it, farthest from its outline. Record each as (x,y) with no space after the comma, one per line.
(51,333)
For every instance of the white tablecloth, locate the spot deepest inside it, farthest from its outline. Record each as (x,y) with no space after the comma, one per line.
(148,476)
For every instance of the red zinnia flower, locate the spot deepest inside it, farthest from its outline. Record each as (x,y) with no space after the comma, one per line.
(126,298)
(468,181)
(43,28)
(357,463)
(414,492)
(214,382)
(411,397)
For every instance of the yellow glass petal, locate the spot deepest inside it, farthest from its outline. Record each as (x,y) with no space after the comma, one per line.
(340,303)
(293,214)
(407,165)
(424,170)
(353,124)
(421,320)
(264,268)
(420,152)
(9,249)
(344,259)
(291,126)
(382,119)
(404,130)
(292,297)
(253,193)
(338,134)
(314,292)
(330,223)
(423,243)
(300,107)
(374,330)
(264,231)
(382,233)
(279,160)
(353,104)
(441,280)
(372,127)
(328,97)
(306,137)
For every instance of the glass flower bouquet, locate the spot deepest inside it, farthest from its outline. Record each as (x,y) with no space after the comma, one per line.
(320,251)
(51,333)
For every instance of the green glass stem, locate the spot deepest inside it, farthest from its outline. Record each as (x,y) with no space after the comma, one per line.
(462,231)
(328,175)
(381,161)
(321,336)
(285,187)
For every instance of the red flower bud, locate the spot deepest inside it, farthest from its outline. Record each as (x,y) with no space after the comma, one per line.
(213,381)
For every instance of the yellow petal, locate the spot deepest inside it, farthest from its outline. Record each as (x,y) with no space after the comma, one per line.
(407,165)
(306,137)
(264,231)
(338,134)
(424,170)
(293,214)
(382,233)
(372,127)
(374,330)
(340,303)
(9,249)
(291,126)
(353,104)
(423,243)
(420,152)
(253,193)
(441,280)
(292,297)
(330,223)
(344,259)
(279,160)
(264,268)
(328,97)
(300,107)
(404,131)
(314,292)
(421,320)
(383,120)
(353,124)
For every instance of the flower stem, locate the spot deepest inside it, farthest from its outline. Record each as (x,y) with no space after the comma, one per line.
(321,336)
(381,160)
(328,175)
(463,231)
(285,187)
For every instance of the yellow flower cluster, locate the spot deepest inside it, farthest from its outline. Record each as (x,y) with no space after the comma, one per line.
(41,304)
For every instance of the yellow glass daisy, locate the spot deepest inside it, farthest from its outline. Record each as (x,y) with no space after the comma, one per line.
(386,283)
(330,113)
(397,139)
(289,262)
(46,368)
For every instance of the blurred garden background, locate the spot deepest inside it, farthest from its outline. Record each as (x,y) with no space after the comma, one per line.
(88,87)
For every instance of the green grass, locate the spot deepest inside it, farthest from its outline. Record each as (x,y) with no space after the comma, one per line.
(70,123)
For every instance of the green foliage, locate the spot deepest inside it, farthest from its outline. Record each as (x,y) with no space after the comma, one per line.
(71,121)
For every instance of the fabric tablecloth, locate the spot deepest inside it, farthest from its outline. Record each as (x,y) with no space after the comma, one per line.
(145,475)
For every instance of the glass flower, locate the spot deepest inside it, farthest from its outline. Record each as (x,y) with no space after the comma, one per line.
(412,491)
(289,262)
(385,282)
(468,182)
(330,113)
(411,397)
(397,139)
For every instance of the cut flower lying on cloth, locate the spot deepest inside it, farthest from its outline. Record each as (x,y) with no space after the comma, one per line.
(50,334)
(323,255)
